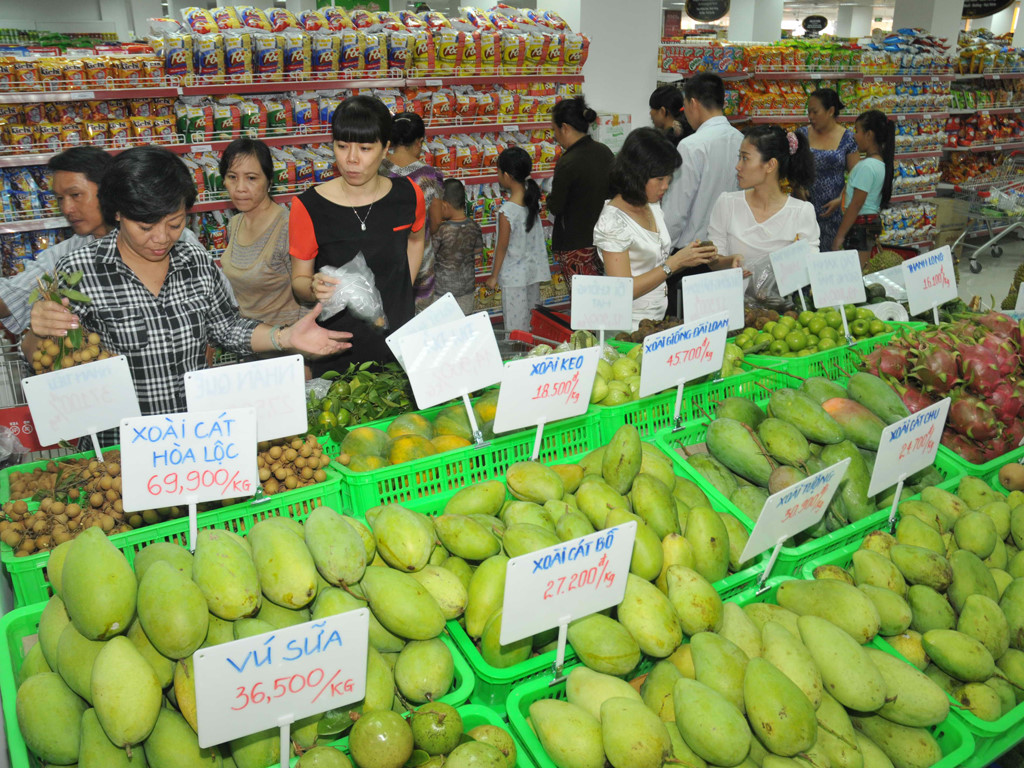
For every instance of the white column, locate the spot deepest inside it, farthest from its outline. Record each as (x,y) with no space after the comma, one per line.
(854,21)
(997,24)
(939,17)
(756,21)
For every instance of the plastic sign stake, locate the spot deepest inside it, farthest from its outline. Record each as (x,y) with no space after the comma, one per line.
(792,510)
(444,310)
(790,267)
(930,281)
(451,360)
(714,292)
(836,280)
(554,586)
(274,388)
(81,400)
(537,390)
(677,355)
(908,446)
(273,679)
(186,458)
(602,303)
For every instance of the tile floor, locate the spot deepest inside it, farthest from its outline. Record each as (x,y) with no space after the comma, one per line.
(996,273)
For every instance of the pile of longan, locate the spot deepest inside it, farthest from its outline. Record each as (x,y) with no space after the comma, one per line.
(24,485)
(291,462)
(50,356)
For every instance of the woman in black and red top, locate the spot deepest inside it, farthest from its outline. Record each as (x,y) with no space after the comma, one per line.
(359,212)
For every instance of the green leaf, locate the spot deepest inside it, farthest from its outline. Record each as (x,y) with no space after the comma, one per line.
(74,278)
(330,375)
(75,334)
(366,366)
(32,297)
(75,295)
(418,758)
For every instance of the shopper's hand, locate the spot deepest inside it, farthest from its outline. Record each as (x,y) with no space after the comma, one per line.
(831,207)
(737,263)
(48,318)
(837,244)
(693,255)
(323,287)
(314,340)
(492,283)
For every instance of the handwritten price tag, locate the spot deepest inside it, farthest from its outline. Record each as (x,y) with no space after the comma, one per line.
(444,310)
(790,266)
(545,389)
(570,580)
(836,278)
(254,684)
(602,303)
(794,509)
(908,446)
(189,457)
(930,280)
(683,353)
(274,388)
(82,400)
(448,360)
(711,293)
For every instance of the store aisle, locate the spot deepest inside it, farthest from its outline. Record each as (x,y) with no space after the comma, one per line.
(996,274)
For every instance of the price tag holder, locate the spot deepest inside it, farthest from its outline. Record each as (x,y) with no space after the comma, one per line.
(792,510)
(836,280)
(930,281)
(556,585)
(186,458)
(81,400)
(274,388)
(452,360)
(908,446)
(537,390)
(790,267)
(677,355)
(708,294)
(444,310)
(273,679)
(602,303)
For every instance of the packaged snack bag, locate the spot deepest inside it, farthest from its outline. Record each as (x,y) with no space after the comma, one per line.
(94,133)
(576,49)
(226,17)
(448,48)
(118,133)
(279,116)
(281,19)
(227,122)
(296,51)
(478,18)
(441,105)
(153,72)
(252,118)
(352,47)
(178,55)
(337,18)
(164,129)
(399,51)
(191,122)
(375,54)
(209,57)
(327,106)
(390,21)
(266,56)
(423,51)
(306,113)
(26,75)
(470,59)
(238,55)
(411,20)
(465,104)
(325,52)
(50,71)
(488,51)
(33,114)
(47,135)
(141,130)
(513,51)
(199,20)
(363,19)
(313,21)
(435,20)
(255,18)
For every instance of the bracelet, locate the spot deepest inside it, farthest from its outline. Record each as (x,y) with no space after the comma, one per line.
(273,338)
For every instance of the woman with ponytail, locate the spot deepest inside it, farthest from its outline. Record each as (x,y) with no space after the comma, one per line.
(770,210)
(520,256)
(870,184)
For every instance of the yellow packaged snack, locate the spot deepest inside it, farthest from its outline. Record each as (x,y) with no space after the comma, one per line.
(209,57)
(447,47)
(141,130)
(296,51)
(352,44)
(238,56)
(513,51)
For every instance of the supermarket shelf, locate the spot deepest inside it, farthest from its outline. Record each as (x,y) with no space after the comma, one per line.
(991,76)
(989,110)
(502,79)
(36,97)
(913,244)
(31,225)
(1011,145)
(918,115)
(493,178)
(916,155)
(909,198)
(442,130)
(224,89)
(914,78)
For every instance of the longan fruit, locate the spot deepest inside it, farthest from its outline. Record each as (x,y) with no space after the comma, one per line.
(281,473)
(37,366)
(93,338)
(73,494)
(135,521)
(275,452)
(74,525)
(319,476)
(44,542)
(307,473)
(96,500)
(46,361)
(12,538)
(260,461)
(67,362)
(57,508)
(41,526)
(290,455)
(67,343)
(291,481)
(104,355)
(264,474)
(150,516)
(72,511)
(325,460)
(305,451)
(299,462)
(116,485)
(59,537)
(112,496)
(50,348)
(76,356)
(21,507)
(105,483)
(271,486)
(106,523)
(113,469)
(119,507)
(296,443)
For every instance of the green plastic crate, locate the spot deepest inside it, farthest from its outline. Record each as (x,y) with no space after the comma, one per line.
(28,574)
(18,633)
(5,474)
(981,470)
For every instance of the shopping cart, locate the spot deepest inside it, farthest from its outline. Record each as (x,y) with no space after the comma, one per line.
(993,203)
(513,345)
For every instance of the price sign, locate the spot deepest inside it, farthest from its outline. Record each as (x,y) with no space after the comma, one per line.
(82,400)
(602,303)
(714,292)
(444,310)
(189,457)
(274,388)
(794,509)
(447,361)
(567,581)
(1019,306)
(908,446)
(930,280)
(683,353)
(836,278)
(790,266)
(543,389)
(275,678)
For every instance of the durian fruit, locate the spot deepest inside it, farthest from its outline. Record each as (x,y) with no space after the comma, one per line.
(1010,302)
(884,259)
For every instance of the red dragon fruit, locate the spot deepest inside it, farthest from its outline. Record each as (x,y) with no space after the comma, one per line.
(1000,324)
(936,369)
(962,447)
(1004,350)
(971,417)
(1005,402)
(885,361)
(1014,433)
(913,398)
(979,367)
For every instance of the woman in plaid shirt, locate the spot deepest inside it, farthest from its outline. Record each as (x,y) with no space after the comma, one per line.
(156,298)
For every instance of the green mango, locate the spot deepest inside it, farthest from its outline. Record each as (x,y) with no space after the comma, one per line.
(570,735)
(324,757)
(982,701)
(474,754)
(653,502)
(877,571)
(804,413)
(976,493)
(533,481)
(790,656)
(125,692)
(877,396)
(622,458)
(951,505)
(257,749)
(219,631)
(821,389)
(689,493)
(958,655)
(498,655)
(99,587)
(905,746)
(656,463)
(976,532)
(860,426)
(998,559)
(446,589)
(279,617)
(728,743)
(527,512)
(719,664)
(402,604)
(834,572)
(483,498)
(922,566)
(425,670)
(1004,691)
(738,628)
(1011,665)
(166,551)
(847,672)
(243,628)
(893,611)
(1002,580)
(999,512)
(572,525)
(930,609)
(633,736)
(872,756)
(913,531)
(596,499)
(43,701)
(738,537)
(784,442)
(52,621)
(697,604)
(650,617)
(523,538)
(762,613)
(337,548)
(572,476)
(912,698)
(715,472)
(853,490)
(680,749)
(365,534)
(781,716)
(462,570)
(76,655)
(34,663)
(647,557)
(405,539)
(589,689)
(732,443)
(970,576)
(927,514)
(173,744)
(740,409)
(604,645)
(591,463)
(842,605)
(172,611)
(710,541)
(836,735)
(465,537)
(881,542)
(486,594)
(981,618)
(656,689)
(750,501)
(225,572)
(95,750)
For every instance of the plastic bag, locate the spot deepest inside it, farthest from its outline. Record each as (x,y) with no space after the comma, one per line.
(318,387)
(11,448)
(763,291)
(357,292)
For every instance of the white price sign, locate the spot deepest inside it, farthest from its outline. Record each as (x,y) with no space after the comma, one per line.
(81,400)
(908,446)
(1019,306)
(450,360)
(714,292)
(602,303)
(444,310)
(543,389)
(836,278)
(274,388)
(684,353)
(930,280)
(179,458)
(794,509)
(567,581)
(790,266)
(269,680)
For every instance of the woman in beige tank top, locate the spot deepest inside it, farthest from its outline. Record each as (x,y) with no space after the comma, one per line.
(256,261)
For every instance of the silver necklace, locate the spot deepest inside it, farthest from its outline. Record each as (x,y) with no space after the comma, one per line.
(362,219)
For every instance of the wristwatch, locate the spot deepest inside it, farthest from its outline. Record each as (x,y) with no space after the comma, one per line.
(666,269)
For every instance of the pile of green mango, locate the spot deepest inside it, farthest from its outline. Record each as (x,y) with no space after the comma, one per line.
(753,452)
(949,590)
(769,685)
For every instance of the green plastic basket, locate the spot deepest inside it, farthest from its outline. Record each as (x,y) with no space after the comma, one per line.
(980,470)
(18,634)
(28,574)
(5,474)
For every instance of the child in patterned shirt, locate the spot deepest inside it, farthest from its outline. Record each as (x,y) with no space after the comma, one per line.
(458,245)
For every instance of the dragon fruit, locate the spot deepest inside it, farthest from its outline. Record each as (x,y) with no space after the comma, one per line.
(1003,349)
(979,367)
(1005,402)
(913,398)
(962,447)
(1014,433)
(1000,325)
(972,417)
(885,361)
(936,369)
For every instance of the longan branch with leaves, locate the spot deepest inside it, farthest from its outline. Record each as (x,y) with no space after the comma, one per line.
(78,346)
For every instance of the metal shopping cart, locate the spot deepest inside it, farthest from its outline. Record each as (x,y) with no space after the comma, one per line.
(994,206)
(513,345)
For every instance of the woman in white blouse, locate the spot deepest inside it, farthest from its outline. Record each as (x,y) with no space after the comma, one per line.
(630,235)
(775,171)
